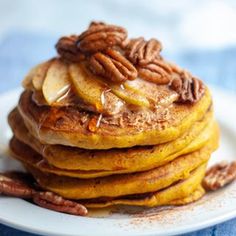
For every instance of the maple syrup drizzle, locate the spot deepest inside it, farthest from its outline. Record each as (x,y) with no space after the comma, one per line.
(99,121)
(94,123)
(65,94)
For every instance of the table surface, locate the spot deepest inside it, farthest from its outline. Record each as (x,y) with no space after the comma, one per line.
(19,51)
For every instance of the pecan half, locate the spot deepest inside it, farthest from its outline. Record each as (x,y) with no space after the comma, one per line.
(189,88)
(142,52)
(55,202)
(219,175)
(67,49)
(157,72)
(100,37)
(113,66)
(15,185)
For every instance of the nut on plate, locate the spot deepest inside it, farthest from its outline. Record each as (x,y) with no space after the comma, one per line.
(55,202)
(15,185)
(219,175)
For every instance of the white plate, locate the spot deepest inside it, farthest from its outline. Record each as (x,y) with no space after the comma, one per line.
(212,209)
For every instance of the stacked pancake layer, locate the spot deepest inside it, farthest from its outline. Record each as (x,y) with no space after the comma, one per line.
(135,156)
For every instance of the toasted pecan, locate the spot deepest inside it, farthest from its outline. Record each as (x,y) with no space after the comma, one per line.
(189,88)
(112,65)
(16,185)
(55,202)
(101,36)
(67,49)
(142,52)
(219,175)
(157,72)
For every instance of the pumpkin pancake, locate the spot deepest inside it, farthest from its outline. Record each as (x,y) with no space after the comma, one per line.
(26,154)
(69,125)
(180,193)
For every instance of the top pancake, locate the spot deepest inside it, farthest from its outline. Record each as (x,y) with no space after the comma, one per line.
(69,125)
(113,93)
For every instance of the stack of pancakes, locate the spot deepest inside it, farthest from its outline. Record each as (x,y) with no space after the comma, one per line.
(127,154)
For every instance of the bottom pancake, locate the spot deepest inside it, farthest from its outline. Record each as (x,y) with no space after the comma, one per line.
(180,193)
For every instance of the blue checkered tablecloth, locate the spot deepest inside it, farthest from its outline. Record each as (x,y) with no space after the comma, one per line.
(19,51)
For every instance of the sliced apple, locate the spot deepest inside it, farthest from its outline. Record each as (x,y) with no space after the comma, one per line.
(87,86)
(40,74)
(135,85)
(57,82)
(130,96)
(27,82)
(34,79)
(156,94)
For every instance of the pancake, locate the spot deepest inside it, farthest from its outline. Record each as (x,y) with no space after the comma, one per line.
(183,192)
(125,184)
(69,125)
(26,154)
(114,161)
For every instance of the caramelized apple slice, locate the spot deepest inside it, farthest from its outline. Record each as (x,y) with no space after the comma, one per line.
(40,74)
(57,82)
(87,86)
(156,94)
(34,79)
(127,95)
(130,96)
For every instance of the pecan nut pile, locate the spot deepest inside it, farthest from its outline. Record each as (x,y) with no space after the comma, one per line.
(189,88)
(219,175)
(14,184)
(67,49)
(100,36)
(142,52)
(55,202)
(112,65)
(108,52)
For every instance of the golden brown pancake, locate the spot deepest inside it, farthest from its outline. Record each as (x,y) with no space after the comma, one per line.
(28,155)
(69,125)
(183,192)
